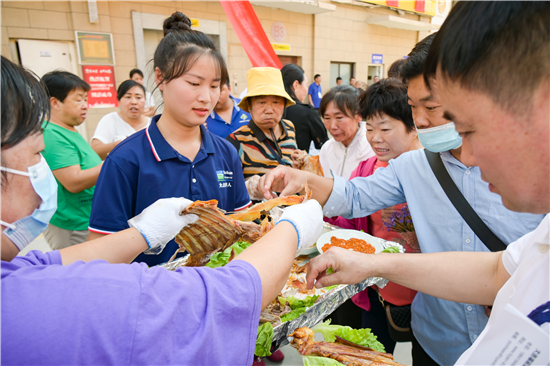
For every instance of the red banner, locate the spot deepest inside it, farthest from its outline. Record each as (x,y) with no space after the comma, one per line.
(244,20)
(102,80)
(420,6)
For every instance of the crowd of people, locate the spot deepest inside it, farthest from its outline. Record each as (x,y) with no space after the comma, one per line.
(446,116)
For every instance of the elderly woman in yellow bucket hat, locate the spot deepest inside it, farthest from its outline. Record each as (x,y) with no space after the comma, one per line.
(267,140)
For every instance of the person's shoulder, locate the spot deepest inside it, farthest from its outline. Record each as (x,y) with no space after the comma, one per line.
(132,148)
(289,124)
(110,117)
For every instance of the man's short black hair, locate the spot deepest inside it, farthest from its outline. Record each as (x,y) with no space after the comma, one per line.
(338,78)
(500,48)
(414,65)
(388,97)
(60,83)
(316,76)
(135,71)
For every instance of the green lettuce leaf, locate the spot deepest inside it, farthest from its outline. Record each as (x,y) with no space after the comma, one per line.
(391,250)
(264,340)
(362,337)
(331,287)
(295,303)
(220,259)
(293,314)
(320,361)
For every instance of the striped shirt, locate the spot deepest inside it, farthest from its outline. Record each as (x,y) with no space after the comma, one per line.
(260,154)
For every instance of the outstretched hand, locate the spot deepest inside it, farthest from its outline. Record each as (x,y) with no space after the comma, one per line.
(349,267)
(282,179)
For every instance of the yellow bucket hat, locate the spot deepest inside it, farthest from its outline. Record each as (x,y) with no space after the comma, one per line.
(265,81)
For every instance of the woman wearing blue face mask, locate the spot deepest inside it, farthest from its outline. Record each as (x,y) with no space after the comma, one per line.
(126,312)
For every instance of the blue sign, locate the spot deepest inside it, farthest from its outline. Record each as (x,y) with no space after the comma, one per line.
(377,59)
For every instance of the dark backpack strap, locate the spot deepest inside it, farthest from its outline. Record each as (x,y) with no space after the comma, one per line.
(483,232)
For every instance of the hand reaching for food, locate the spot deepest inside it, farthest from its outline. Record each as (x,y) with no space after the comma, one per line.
(307,219)
(160,222)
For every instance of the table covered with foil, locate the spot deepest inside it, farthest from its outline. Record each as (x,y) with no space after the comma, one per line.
(324,306)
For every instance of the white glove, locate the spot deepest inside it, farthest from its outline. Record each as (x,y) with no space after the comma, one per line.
(162,221)
(252,188)
(307,219)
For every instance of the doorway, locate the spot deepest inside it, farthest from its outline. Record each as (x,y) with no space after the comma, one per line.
(297,60)
(375,70)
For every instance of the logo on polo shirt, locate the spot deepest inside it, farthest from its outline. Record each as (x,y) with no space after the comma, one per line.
(244,118)
(224,178)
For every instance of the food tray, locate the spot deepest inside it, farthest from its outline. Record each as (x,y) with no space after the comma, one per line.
(324,306)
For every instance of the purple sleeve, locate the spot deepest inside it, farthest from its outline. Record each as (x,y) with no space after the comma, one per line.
(203,316)
(98,313)
(37,258)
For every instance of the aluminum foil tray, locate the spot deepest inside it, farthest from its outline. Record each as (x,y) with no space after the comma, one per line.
(327,304)
(324,305)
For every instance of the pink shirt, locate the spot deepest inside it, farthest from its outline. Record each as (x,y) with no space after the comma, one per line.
(374,225)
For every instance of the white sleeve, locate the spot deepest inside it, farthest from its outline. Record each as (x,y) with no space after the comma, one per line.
(105,130)
(149,100)
(323,156)
(513,253)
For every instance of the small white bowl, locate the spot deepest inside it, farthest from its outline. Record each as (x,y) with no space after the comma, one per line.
(349,234)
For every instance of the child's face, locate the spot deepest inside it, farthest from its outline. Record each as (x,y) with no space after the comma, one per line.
(191,98)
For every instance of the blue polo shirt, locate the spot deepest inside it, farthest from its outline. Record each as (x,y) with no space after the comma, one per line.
(144,168)
(220,127)
(316,94)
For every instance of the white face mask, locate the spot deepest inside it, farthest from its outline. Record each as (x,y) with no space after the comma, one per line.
(440,138)
(25,230)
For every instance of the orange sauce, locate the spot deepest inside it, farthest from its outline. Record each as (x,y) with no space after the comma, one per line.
(358,245)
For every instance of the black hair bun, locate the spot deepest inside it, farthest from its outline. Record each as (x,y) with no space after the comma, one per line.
(176,22)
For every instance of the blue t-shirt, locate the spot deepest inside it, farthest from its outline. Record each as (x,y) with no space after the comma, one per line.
(220,127)
(144,168)
(316,94)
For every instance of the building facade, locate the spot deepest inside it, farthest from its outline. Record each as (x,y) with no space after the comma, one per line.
(333,38)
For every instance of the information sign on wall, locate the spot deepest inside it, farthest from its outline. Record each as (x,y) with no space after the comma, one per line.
(95,48)
(377,59)
(102,80)
(280,47)
(278,31)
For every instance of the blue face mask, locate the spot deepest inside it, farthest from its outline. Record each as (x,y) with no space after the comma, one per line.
(440,138)
(25,230)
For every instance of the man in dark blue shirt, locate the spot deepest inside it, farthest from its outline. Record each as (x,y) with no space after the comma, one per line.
(315,93)
(226,117)
(145,167)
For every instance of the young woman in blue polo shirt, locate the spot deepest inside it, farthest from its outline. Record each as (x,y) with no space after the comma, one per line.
(175,156)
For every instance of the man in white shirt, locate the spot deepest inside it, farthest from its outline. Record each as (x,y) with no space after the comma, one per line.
(489,63)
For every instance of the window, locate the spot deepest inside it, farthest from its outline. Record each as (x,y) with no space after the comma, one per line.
(345,70)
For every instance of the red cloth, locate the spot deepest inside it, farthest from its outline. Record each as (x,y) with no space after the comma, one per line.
(374,225)
(244,20)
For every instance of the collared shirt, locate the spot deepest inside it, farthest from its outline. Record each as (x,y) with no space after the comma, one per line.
(144,168)
(127,314)
(445,329)
(316,94)
(258,153)
(222,128)
(334,156)
(528,262)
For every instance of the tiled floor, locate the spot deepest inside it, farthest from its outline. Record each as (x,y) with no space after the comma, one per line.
(402,352)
